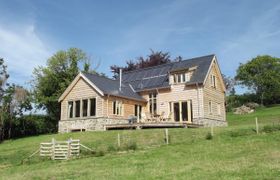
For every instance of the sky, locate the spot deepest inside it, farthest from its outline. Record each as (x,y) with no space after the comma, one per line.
(112,32)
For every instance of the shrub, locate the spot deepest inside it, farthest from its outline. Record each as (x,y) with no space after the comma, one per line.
(131,146)
(111,148)
(271,128)
(100,153)
(241,132)
(209,136)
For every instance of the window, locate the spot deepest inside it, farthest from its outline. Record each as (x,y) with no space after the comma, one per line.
(153,103)
(117,108)
(93,107)
(77,108)
(137,111)
(179,78)
(70,109)
(174,79)
(219,109)
(85,107)
(210,107)
(213,81)
(183,77)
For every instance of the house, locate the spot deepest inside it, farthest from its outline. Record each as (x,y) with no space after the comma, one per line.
(190,91)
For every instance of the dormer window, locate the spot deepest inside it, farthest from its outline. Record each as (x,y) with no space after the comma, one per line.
(180,78)
(181,75)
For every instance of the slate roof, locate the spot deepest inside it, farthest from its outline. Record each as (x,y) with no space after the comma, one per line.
(111,87)
(151,77)
(157,76)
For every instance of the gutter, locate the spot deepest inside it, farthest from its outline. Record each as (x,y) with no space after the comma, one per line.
(140,100)
(166,87)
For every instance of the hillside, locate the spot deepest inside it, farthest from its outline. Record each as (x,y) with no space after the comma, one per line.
(235,152)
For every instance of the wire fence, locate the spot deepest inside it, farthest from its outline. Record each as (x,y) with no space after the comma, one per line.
(119,141)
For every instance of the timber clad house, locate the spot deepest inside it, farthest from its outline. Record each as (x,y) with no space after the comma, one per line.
(186,92)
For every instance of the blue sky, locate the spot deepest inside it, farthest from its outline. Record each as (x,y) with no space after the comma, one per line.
(115,31)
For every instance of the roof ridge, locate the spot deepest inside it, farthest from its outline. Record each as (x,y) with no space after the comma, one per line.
(169,63)
(98,75)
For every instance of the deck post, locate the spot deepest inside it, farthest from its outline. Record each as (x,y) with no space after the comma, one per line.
(257,125)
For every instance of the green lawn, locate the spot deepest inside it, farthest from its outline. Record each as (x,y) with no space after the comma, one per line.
(235,152)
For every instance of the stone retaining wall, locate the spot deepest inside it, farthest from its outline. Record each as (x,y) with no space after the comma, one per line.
(210,122)
(93,124)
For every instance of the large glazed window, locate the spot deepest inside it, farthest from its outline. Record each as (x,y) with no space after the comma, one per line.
(118,108)
(77,111)
(93,107)
(138,111)
(153,103)
(85,107)
(70,109)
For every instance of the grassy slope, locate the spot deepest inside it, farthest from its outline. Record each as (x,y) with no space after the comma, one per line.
(189,155)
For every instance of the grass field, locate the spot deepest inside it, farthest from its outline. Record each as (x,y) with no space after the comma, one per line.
(235,152)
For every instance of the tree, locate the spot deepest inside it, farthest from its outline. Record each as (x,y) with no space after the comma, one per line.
(15,101)
(261,74)
(51,81)
(154,59)
(229,84)
(3,83)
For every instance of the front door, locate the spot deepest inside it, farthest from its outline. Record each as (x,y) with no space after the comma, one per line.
(183,111)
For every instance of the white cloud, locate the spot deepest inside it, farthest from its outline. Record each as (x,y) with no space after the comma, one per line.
(22,49)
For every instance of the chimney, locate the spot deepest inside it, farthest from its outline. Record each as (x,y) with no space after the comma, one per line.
(120,88)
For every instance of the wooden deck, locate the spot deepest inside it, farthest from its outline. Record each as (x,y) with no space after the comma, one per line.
(152,125)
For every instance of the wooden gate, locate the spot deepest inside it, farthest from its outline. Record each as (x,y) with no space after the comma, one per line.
(60,150)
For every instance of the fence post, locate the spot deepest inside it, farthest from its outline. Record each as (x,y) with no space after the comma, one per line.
(69,147)
(257,125)
(119,140)
(212,130)
(53,144)
(166,136)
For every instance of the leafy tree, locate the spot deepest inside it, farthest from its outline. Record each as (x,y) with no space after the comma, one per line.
(154,59)
(261,74)
(51,81)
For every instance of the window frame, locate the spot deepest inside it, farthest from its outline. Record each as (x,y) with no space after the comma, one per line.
(213,81)
(180,78)
(118,108)
(77,110)
(81,108)
(70,109)
(138,107)
(90,107)
(87,105)
(153,103)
